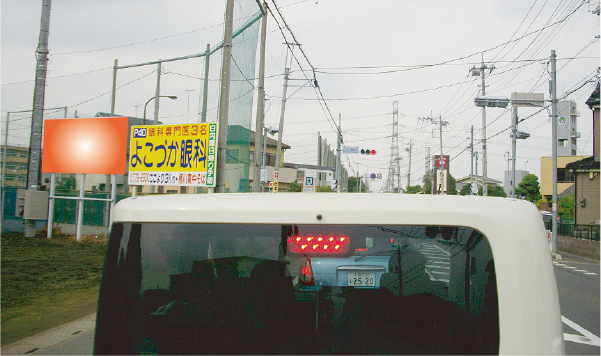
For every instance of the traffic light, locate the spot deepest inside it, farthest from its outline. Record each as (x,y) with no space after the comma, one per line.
(368,151)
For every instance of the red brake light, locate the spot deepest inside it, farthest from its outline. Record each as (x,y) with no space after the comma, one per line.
(321,245)
(306,273)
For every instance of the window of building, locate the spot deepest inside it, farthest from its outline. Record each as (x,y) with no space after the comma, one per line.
(11,165)
(562,142)
(11,153)
(22,166)
(23,155)
(564,175)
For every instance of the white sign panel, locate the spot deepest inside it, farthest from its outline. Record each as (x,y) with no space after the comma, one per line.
(309,182)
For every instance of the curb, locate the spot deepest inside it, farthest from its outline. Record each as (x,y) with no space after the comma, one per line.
(52,337)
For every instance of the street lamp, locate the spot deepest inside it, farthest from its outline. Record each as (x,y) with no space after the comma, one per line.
(172,97)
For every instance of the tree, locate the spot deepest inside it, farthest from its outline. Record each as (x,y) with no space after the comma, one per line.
(295,187)
(566,207)
(466,190)
(352,185)
(414,189)
(529,189)
(494,191)
(427,180)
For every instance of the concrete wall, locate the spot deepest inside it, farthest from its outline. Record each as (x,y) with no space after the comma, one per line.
(576,246)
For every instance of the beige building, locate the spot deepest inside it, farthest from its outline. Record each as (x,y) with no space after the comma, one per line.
(15,167)
(565,179)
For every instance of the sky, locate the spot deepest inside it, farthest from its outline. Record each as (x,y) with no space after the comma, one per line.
(364,55)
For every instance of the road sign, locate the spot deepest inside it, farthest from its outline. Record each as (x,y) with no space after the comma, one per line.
(350,149)
(372,176)
(309,183)
(379,176)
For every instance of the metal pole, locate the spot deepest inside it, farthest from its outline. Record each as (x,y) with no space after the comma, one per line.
(554,149)
(471,159)
(80,206)
(514,133)
(51,205)
(224,98)
(114,91)
(203,117)
(484,160)
(260,103)
(281,130)
(113,198)
(409,170)
(338,150)
(4,167)
(264,154)
(156,95)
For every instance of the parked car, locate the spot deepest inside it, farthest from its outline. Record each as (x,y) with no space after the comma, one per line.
(397,274)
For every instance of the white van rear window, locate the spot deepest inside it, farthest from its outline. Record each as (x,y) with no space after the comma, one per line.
(297,289)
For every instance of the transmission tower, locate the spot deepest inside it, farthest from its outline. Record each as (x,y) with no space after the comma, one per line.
(394,170)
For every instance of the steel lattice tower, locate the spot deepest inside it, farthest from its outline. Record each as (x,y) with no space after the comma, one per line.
(394,170)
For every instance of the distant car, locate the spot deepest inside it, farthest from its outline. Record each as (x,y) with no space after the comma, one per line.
(293,273)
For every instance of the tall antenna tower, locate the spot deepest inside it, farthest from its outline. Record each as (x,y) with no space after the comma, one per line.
(394,169)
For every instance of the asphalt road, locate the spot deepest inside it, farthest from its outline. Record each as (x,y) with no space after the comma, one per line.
(578,285)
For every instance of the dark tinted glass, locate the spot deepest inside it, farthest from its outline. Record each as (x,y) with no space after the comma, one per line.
(235,289)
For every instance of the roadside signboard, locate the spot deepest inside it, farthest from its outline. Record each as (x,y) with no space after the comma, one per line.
(183,155)
(92,145)
(309,182)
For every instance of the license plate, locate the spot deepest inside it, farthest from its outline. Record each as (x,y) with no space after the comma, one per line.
(361,279)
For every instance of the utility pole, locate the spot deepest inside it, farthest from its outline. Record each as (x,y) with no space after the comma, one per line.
(471,159)
(278,158)
(440,123)
(394,168)
(338,150)
(203,114)
(259,122)
(482,72)
(409,170)
(225,97)
(35,143)
(514,135)
(553,89)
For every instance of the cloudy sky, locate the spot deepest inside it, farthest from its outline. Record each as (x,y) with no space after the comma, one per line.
(365,55)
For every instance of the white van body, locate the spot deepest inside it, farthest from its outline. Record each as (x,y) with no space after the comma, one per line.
(528,305)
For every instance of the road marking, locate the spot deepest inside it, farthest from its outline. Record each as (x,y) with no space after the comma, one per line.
(575,269)
(586,336)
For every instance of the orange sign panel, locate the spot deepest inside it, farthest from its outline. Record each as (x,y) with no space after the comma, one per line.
(94,146)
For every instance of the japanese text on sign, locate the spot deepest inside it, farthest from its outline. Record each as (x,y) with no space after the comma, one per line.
(182,155)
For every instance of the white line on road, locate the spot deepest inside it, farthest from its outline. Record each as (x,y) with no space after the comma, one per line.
(586,336)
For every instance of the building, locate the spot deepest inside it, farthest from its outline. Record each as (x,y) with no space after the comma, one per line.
(519,176)
(585,173)
(567,136)
(459,183)
(15,167)
(565,179)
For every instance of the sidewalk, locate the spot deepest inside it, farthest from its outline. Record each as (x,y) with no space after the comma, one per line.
(52,337)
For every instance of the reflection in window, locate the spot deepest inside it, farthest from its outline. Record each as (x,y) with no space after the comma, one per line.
(234,289)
